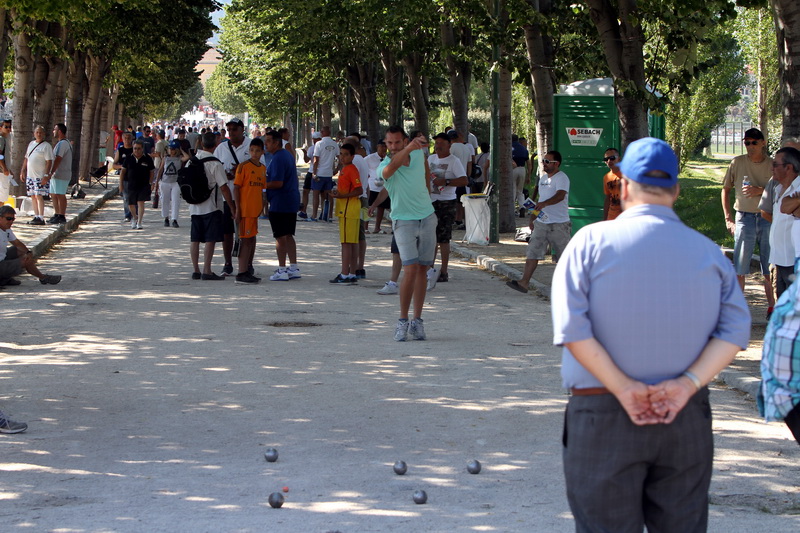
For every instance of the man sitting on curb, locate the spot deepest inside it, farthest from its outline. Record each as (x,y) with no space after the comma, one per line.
(17,256)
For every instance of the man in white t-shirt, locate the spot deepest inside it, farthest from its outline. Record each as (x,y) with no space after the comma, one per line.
(231,153)
(552,227)
(373,160)
(447,173)
(466,154)
(208,222)
(322,167)
(303,213)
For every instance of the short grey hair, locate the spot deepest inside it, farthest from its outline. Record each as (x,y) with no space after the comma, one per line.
(791,156)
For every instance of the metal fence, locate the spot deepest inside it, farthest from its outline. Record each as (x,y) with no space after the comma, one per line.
(727,139)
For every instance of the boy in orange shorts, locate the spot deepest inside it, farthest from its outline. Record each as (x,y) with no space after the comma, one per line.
(348,208)
(251,179)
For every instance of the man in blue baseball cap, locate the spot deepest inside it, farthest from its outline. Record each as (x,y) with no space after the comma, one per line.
(648,312)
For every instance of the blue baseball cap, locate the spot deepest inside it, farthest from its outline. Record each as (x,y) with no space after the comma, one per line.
(174,145)
(646,155)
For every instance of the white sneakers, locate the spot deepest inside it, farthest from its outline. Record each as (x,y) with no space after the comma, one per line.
(389,288)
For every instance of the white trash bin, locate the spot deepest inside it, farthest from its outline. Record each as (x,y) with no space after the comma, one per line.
(476,218)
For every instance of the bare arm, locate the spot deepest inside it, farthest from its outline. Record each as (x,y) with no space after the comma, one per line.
(557,197)
(726,209)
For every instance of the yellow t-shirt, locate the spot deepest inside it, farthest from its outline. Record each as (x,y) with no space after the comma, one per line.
(251,180)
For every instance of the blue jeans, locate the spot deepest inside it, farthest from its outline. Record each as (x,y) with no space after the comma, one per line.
(751,228)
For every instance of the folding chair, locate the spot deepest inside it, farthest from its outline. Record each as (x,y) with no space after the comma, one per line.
(99,175)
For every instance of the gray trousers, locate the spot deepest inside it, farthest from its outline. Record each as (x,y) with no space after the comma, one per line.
(621,477)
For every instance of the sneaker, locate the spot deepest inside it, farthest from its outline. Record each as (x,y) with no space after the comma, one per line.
(133,224)
(9,426)
(139,226)
(312,219)
(211,277)
(361,273)
(62,219)
(341,279)
(175,224)
(280,275)
(433,277)
(351,278)
(389,288)
(166,222)
(294,273)
(417,329)
(49,279)
(53,219)
(196,275)
(127,219)
(514,284)
(244,277)
(227,270)
(443,277)
(251,270)
(10,282)
(401,330)
(37,222)
(302,215)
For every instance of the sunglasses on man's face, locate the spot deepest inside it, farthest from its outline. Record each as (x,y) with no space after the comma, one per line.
(610,158)
(748,143)
(10,219)
(547,161)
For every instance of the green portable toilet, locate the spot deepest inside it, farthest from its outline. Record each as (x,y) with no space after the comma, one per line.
(585,124)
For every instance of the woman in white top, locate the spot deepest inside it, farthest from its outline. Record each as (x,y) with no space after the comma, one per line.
(36,173)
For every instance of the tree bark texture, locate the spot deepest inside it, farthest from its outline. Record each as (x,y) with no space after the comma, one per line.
(325,115)
(23,98)
(623,44)
(787,26)
(459,72)
(363,78)
(5,32)
(392,79)
(543,82)
(419,101)
(96,69)
(76,74)
(506,220)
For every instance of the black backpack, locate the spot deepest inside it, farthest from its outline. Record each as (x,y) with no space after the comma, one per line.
(193,182)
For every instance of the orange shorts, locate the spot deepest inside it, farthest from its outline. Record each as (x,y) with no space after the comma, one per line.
(248,227)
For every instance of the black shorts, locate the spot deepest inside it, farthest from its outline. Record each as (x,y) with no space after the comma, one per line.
(138,195)
(386,204)
(461,191)
(207,228)
(282,223)
(393,247)
(307,181)
(227,220)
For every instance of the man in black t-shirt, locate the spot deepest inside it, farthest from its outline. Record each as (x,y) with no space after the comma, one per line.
(136,179)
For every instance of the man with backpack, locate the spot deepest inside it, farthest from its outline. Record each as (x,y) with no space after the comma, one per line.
(207,215)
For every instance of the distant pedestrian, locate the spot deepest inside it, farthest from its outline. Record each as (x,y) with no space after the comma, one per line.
(168,184)
(231,153)
(347,194)
(251,179)
(284,202)
(325,153)
(123,152)
(137,178)
(611,185)
(36,171)
(62,174)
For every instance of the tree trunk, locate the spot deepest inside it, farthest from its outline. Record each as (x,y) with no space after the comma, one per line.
(325,115)
(111,113)
(58,113)
(413,64)
(23,99)
(623,43)
(363,78)
(787,26)
(543,82)
(95,70)
(459,73)
(76,73)
(5,32)
(506,219)
(46,79)
(394,86)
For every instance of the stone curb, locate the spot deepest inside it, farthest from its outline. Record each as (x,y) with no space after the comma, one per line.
(40,245)
(732,378)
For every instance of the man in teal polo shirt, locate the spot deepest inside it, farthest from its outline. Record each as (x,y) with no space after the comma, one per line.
(405,171)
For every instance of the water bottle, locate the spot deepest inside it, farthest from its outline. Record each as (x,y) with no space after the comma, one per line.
(745,181)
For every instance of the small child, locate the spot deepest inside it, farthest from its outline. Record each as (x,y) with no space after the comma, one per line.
(168,184)
(348,208)
(251,179)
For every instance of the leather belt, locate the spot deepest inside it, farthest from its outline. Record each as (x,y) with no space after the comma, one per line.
(589,391)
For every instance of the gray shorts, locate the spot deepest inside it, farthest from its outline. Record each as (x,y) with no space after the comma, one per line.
(416,240)
(12,265)
(556,234)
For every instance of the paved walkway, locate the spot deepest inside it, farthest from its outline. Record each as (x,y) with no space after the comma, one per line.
(151,399)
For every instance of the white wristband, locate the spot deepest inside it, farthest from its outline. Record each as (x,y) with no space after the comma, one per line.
(694,379)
